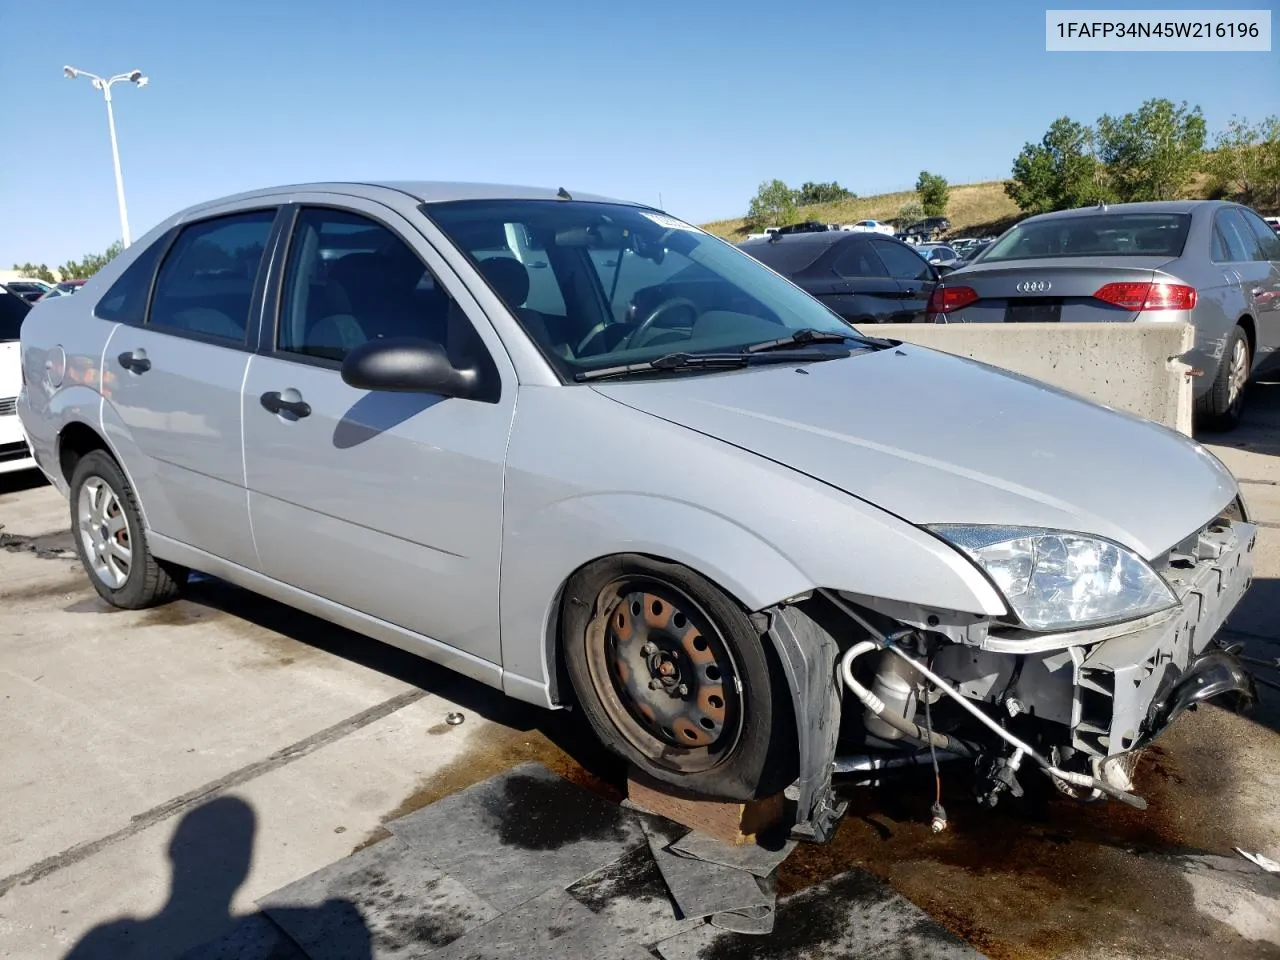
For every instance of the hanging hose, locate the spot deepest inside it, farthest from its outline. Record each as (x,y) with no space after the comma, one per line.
(1075,779)
(873,703)
(942,741)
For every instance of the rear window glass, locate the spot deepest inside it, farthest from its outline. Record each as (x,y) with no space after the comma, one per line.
(786,258)
(1096,235)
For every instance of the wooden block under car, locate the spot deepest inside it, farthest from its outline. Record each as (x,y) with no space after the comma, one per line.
(726,820)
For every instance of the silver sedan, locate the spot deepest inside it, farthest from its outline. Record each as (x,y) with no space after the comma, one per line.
(588,454)
(1211,263)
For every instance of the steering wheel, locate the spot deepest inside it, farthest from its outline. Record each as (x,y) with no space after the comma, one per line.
(666,306)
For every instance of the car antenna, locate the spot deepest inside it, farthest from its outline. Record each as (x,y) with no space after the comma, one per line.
(563,194)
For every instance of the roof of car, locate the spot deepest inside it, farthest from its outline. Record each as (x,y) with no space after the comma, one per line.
(793,239)
(426,191)
(1151,206)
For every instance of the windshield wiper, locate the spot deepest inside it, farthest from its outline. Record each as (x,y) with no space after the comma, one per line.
(809,335)
(669,361)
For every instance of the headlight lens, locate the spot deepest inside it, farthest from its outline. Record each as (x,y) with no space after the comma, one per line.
(1062,581)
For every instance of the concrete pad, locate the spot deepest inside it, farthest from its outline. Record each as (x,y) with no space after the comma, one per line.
(515,835)
(108,716)
(307,814)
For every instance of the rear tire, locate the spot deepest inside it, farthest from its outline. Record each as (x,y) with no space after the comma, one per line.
(673,676)
(111,539)
(1222,407)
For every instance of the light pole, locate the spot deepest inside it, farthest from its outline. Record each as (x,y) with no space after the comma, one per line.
(137,79)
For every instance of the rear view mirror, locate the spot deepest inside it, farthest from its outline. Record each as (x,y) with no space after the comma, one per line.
(406,365)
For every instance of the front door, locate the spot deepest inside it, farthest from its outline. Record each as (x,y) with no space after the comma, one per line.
(387,503)
(867,293)
(172,383)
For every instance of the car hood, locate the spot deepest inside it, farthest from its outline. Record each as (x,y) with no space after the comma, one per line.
(934,438)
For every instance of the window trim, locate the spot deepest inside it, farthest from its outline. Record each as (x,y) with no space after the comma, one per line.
(890,241)
(163,242)
(860,246)
(255,295)
(273,301)
(1218,216)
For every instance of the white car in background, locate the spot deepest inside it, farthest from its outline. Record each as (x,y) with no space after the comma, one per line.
(868,226)
(14,452)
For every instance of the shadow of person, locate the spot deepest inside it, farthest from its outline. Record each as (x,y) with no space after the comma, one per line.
(210,853)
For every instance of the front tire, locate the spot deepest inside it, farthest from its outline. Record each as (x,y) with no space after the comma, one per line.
(673,676)
(1222,407)
(111,539)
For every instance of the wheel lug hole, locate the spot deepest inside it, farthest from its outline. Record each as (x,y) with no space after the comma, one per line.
(713,673)
(715,701)
(700,643)
(707,723)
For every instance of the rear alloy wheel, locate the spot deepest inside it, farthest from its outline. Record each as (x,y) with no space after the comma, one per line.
(111,540)
(673,676)
(1222,407)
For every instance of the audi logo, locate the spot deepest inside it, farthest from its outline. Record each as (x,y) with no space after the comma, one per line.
(1034,286)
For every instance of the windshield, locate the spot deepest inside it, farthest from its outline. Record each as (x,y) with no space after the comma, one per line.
(599,285)
(1094,235)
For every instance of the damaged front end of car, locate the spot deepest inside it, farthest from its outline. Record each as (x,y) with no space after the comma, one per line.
(1100,652)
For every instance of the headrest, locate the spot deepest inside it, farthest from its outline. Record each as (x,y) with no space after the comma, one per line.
(509,278)
(362,274)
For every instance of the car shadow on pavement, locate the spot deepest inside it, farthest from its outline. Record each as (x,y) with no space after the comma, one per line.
(211,852)
(21,480)
(566,729)
(1259,429)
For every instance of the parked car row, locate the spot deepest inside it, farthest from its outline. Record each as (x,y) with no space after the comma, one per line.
(14,454)
(1213,264)
(650,479)
(33,289)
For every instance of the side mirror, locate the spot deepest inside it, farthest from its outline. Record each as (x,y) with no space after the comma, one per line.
(407,365)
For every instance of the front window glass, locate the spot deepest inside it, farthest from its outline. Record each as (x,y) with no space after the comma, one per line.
(633,284)
(1095,235)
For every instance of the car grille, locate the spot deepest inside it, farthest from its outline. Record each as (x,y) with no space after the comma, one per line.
(8,406)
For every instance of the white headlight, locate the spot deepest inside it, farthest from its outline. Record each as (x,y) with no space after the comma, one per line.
(1062,581)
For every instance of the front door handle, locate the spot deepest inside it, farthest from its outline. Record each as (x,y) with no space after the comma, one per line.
(278,404)
(134,362)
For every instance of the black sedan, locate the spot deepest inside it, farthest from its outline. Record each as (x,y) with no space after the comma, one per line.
(864,277)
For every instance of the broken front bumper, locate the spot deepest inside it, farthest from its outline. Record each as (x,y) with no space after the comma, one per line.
(1116,689)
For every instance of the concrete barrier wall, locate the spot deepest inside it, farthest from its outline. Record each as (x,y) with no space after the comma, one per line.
(1128,366)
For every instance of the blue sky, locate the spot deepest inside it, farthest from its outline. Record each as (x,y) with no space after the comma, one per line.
(697,101)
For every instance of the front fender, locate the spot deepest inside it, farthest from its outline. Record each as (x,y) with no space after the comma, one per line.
(542,551)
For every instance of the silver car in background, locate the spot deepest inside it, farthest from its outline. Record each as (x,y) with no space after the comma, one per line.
(586,453)
(1211,263)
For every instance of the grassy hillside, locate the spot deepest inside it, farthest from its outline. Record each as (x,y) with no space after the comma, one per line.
(975,208)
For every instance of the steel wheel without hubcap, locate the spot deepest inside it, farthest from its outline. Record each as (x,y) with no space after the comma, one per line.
(664,674)
(104,533)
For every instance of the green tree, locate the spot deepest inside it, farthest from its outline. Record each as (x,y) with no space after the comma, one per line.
(909,213)
(40,272)
(90,264)
(1246,160)
(1060,172)
(774,205)
(934,193)
(810,193)
(1152,153)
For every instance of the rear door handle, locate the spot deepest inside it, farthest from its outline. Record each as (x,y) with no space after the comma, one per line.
(278,404)
(134,362)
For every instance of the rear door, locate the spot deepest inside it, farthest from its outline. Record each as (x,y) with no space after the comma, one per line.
(914,277)
(864,293)
(1263,289)
(172,383)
